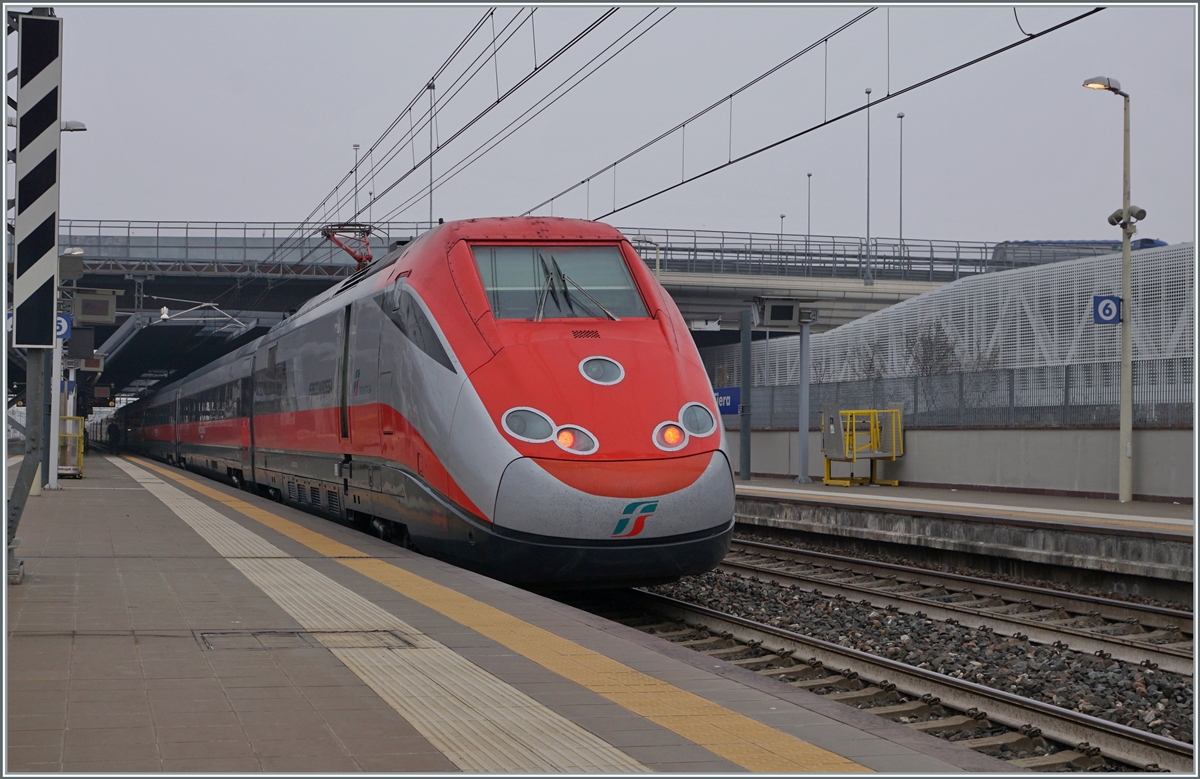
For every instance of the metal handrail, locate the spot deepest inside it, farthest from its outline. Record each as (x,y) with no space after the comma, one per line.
(283,248)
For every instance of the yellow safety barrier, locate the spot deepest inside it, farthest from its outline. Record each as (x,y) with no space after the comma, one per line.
(70,447)
(866,434)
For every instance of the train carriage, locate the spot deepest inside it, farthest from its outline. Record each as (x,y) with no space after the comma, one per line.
(516,395)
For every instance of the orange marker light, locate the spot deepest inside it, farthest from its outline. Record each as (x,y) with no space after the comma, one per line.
(672,435)
(566,439)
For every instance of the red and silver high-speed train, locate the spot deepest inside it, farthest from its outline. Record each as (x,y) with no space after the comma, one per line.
(518,396)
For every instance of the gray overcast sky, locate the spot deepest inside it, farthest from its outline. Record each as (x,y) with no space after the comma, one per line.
(249,113)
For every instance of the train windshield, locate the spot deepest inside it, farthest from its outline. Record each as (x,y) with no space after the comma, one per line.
(550,282)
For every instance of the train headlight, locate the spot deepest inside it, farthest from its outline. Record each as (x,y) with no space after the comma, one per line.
(575,440)
(697,419)
(602,370)
(670,437)
(531,425)
(528,424)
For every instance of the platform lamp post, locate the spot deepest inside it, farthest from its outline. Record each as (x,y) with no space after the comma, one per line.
(1125,217)
(808,234)
(781,218)
(355,181)
(900,116)
(868,280)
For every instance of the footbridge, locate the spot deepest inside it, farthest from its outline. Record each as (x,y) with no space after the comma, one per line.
(263,270)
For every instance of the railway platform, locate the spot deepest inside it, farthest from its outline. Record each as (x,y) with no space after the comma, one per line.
(167,622)
(1118,545)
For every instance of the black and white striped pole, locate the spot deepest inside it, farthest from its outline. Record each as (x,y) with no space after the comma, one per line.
(35,228)
(39,87)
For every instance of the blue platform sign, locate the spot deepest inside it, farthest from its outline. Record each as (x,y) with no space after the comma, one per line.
(1106,309)
(728,399)
(62,326)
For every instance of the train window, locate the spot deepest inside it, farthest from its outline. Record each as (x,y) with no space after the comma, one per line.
(561,281)
(405,313)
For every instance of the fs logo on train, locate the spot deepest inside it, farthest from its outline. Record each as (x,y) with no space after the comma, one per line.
(633,518)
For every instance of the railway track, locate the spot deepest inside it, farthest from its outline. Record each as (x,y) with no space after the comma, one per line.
(1151,636)
(976,716)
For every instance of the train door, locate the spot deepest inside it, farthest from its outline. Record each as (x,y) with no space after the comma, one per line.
(363,402)
(247,411)
(344,413)
(389,375)
(175,426)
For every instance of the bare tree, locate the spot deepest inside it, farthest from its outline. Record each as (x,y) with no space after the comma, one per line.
(868,359)
(932,351)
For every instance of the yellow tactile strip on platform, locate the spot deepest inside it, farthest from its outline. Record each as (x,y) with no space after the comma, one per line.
(733,736)
(478,721)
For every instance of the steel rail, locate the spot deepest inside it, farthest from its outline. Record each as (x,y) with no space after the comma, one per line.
(1116,610)
(1173,660)
(1116,741)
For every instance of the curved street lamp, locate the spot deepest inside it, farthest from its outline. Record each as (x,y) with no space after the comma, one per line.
(1125,218)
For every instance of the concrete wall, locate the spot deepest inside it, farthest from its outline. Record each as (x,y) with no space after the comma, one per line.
(1073,461)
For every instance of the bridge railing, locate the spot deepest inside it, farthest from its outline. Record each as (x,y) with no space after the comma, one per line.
(829,256)
(225,248)
(289,249)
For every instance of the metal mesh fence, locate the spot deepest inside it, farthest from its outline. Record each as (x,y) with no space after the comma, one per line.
(1012,349)
(1086,395)
(1029,317)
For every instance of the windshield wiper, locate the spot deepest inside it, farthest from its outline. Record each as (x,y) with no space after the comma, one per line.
(547,287)
(556,278)
(610,314)
(541,306)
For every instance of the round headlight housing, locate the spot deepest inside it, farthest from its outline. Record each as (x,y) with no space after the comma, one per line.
(528,424)
(697,420)
(602,370)
(670,437)
(575,440)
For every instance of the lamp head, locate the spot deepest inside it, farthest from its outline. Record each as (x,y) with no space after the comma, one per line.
(1115,217)
(1137,213)
(868,90)
(1103,82)
(900,115)
(164,314)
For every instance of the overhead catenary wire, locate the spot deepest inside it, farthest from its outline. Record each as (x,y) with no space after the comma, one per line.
(297,236)
(512,90)
(502,98)
(507,94)
(534,111)
(301,233)
(667,133)
(852,112)
(409,140)
(287,244)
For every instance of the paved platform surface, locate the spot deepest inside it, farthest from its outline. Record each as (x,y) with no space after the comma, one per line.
(1091,513)
(170,623)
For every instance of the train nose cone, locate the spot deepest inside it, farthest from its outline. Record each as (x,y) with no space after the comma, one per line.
(616,500)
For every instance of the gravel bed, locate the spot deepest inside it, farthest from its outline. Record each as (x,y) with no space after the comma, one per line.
(1119,692)
(794,543)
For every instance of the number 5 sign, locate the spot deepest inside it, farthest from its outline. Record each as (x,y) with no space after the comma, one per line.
(1106,309)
